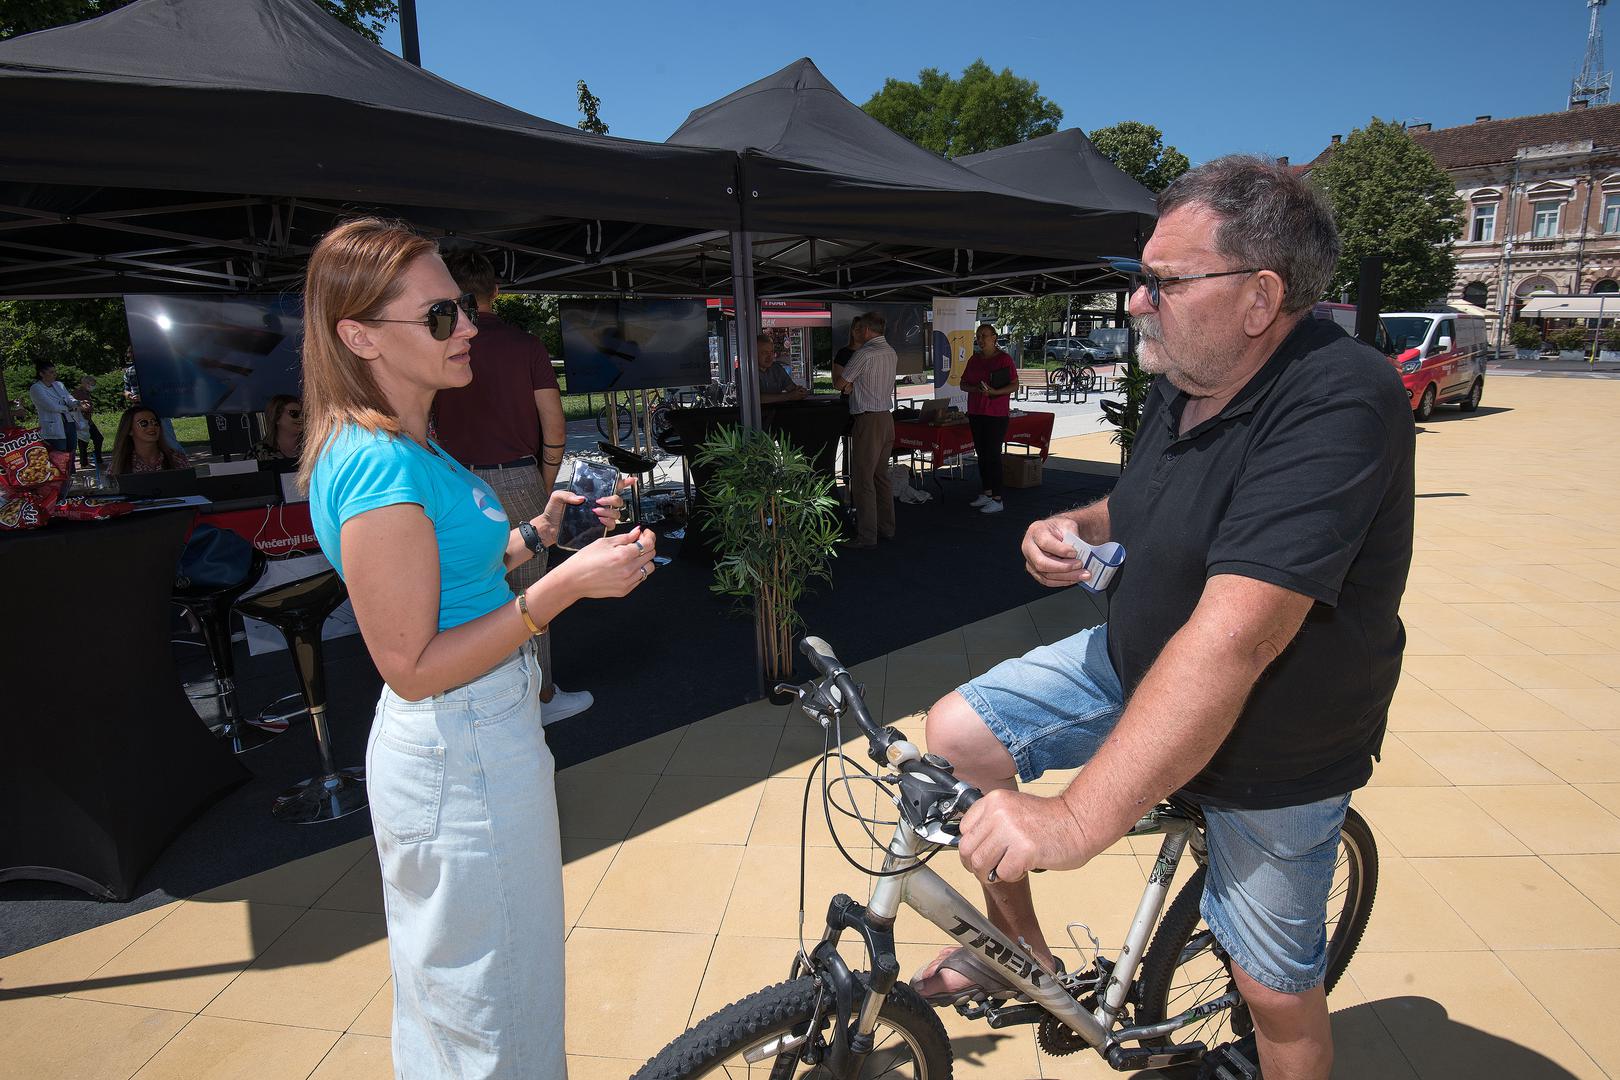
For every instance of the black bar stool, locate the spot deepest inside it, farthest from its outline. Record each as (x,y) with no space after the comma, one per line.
(210,607)
(298,609)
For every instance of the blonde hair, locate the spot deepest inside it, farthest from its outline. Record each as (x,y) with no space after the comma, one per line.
(355,272)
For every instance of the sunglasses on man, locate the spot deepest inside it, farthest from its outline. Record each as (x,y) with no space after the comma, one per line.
(442,315)
(1142,276)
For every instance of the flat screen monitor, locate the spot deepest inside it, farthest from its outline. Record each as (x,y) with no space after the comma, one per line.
(634,344)
(196,355)
(905,329)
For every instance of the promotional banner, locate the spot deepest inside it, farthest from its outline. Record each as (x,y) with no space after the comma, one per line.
(955,320)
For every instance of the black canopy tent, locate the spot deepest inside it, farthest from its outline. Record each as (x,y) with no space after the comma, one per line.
(1067,167)
(181,145)
(839,206)
(204,144)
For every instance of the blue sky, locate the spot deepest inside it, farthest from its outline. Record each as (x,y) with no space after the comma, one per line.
(1265,76)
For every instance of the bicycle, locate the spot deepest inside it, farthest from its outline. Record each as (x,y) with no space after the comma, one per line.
(837,1023)
(1072,377)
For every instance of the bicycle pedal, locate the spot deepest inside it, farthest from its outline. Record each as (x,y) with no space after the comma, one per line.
(978,1007)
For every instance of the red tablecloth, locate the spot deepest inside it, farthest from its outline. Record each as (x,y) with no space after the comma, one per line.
(278,531)
(946,441)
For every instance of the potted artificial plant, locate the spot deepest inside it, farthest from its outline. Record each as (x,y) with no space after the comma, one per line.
(776,527)
(1126,415)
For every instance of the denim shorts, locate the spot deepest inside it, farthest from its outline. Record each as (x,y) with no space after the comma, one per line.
(1270,871)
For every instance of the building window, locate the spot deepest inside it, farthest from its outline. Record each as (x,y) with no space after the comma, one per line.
(1476,293)
(1611,214)
(1607,285)
(1546,219)
(1484,231)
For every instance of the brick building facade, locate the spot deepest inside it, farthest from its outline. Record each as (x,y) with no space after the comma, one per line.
(1541,201)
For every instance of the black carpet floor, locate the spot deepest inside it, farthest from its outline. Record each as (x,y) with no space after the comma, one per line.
(670,654)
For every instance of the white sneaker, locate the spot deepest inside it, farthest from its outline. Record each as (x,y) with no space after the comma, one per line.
(994,506)
(563,704)
(980,501)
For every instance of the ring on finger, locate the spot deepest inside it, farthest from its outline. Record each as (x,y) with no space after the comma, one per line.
(643,571)
(991,877)
(638,545)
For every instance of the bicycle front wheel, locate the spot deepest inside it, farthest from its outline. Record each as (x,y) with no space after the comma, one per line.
(1185,966)
(764,1035)
(607,415)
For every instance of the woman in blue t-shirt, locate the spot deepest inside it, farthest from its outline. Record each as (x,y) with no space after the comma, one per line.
(459,776)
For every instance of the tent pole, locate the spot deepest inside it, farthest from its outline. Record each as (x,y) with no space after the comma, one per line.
(410,45)
(742,295)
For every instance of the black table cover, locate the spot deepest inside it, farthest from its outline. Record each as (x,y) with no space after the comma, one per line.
(102,757)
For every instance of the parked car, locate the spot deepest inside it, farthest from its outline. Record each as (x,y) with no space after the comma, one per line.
(1440,355)
(1077,350)
(1343,314)
(1110,342)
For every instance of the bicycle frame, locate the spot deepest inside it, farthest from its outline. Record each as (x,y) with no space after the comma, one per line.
(925,892)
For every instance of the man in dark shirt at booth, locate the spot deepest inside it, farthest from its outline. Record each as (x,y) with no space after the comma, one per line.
(507,425)
(1253,641)
(776,383)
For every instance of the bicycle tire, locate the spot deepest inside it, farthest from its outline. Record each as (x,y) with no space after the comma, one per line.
(787,1008)
(1183,923)
(626,422)
(1086,379)
(1060,379)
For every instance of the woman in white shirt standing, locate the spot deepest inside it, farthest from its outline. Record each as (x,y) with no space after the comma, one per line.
(57,409)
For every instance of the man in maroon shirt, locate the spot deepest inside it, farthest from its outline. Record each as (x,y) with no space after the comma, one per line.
(507,425)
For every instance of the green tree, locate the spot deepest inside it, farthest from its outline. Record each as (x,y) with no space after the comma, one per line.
(1390,198)
(589,103)
(1139,151)
(534,314)
(369,18)
(1025,316)
(980,111)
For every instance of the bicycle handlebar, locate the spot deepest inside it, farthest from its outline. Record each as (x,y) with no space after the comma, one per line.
(821,657)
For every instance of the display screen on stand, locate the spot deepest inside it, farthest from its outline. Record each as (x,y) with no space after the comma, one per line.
(196,355)
(906,331)
(634,344)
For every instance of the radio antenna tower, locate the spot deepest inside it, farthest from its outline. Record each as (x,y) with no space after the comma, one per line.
(1593,83)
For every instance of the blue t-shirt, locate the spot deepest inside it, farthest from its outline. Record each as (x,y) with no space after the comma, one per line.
(361,470)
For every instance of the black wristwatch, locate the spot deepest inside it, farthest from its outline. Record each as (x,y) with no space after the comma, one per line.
(531,537)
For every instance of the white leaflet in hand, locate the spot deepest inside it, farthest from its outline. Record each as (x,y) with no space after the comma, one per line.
(1101,560)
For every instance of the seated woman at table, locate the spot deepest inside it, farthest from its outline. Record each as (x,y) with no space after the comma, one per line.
(988,409)
(139,446)
(457,771)
(283,430)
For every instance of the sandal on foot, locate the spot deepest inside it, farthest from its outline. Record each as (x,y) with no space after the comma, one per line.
(984,982)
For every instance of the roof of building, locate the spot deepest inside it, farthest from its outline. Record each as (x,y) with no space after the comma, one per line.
(1486,142)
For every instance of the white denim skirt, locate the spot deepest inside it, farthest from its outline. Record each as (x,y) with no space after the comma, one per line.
(464,808)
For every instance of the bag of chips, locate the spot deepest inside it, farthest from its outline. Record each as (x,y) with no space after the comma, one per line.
(26,462)
(23,510)
(78,508)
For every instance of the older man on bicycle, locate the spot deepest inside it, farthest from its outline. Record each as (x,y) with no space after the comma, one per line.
(1253,642)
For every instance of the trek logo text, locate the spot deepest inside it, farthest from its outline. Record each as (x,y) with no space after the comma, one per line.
(1020,965)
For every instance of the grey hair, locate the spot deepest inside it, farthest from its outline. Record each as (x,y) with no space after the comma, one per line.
(871,321)
(1271,218)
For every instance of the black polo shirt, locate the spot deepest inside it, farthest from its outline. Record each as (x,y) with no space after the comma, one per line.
(1304,480)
